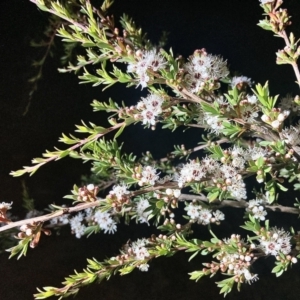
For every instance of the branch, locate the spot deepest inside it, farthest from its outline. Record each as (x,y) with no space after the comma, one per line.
(240,204)
(92,138)
(50,216)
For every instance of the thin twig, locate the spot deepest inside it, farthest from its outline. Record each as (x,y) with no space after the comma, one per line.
(239,204)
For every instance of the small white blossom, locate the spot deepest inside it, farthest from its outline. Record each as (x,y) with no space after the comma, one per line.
(5,206)
(252,99)
(254,153)
(240,80)
(105,221)
(249,277)
(76,225)
(205,216)
(219,216)
(120,191)
(259,213)
(288,103)
(291,135)
(143,267)
(90,187)
(215,124)
(193,210)
(147,60)
(139,249)
(142,215)
(149,176)
(150,108)
(176,193)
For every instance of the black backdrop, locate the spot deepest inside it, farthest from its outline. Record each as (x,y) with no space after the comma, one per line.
(227,28)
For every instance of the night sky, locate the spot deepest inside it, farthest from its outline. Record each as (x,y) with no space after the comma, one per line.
(226,28)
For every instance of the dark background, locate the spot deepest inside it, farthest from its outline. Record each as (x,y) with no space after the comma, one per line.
(227,28)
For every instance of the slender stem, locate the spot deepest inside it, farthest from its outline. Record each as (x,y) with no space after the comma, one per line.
(239,204)
(82,142)
(50,216)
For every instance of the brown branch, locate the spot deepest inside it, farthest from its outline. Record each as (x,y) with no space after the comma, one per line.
(239,204)
(50,216)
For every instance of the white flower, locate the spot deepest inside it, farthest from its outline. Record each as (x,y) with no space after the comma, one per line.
(176,193)
(120,191)
(292,135)
(288,103)
(150,108)
(193,210)
(5,206)
(90,187)
(275,124)
(215,124)
(203,68)
(254,203)
(76,226)
(278,241)
(254,153)
(139,249)
(238,162)
(105,221)
(252,99)
(237,188)
(88,214)
(249,277)
(149,176)
(142,205)
(148,60)
(259,213)
(249,113)
(204,216)
(240,80)
(189,172)
(143,267)
(111,227)
(219,216)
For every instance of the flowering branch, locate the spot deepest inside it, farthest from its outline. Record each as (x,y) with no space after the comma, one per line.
(187,93)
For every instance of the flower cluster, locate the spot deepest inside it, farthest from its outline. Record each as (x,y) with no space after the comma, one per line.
(291,135)
(119,191)
(80,221)
(105,221)
(291,104)
(150,107)
(77,226)
(209,170)
(202,215)
(146,60)
(234,259)
(256,208)
(140,253)
(275,241)
(203,70)
(148,176)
